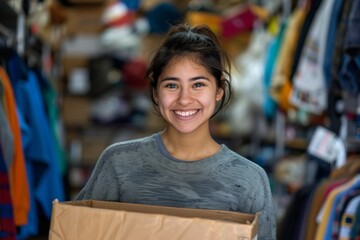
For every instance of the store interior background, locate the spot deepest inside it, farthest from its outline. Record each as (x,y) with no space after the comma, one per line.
(92,55)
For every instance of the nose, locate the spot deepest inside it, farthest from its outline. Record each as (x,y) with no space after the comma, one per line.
(185,97)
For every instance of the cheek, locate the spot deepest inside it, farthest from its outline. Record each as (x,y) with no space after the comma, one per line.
(164,100)
(208,100)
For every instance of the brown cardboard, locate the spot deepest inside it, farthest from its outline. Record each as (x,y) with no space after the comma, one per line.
(90,220)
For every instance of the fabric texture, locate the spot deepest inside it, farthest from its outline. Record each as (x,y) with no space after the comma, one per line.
(325,228)
(309,83)
(355,230)
(142,171)
(7,224)
(18,177)
(349,214)
(43,170)
(50,99)
(352,37)
(6,138)
(272,53)
(281,85)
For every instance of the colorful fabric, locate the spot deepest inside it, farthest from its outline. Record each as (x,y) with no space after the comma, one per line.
(339,211)
(6,137)
(281,84)
(309,83)
(327,214)
(270,105)
(7,224)
(44,176)
(18,177)
(355,230)
(52,110)
(348,219)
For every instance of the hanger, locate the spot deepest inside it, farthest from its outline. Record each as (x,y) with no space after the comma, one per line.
(349,170)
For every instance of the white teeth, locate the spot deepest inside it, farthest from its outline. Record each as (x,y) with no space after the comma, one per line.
(185,113)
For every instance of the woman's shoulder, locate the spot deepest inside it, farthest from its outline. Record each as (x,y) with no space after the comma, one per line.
(237,159)
(131,145)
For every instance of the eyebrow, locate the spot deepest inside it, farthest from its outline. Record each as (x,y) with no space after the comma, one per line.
(177,79)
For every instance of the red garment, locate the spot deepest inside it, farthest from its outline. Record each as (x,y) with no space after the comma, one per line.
(7,225)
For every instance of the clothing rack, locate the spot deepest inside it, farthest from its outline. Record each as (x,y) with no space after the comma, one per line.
(9,36)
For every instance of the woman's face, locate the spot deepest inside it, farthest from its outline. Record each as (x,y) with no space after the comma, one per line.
(187,94)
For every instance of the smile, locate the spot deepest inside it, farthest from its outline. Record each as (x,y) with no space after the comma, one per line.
(186,113)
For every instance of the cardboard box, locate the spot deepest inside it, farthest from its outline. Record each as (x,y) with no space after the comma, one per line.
(90,219)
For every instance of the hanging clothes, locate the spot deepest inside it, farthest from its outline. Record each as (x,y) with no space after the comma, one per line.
(6,136)
(291,225)
(44,176)
(327,214)
(355,229)
(7,224)
(350,69)
(337,177)
(309,83)
(50,96)
(346,218)
(272,53)
(313,8)
(18,177)
(281,85)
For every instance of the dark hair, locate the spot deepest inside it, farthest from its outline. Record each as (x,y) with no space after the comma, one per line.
(200,43)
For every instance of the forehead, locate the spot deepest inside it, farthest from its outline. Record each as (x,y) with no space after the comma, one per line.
(180,61)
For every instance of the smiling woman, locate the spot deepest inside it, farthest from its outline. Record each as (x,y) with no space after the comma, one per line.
(183,166)
(186,95)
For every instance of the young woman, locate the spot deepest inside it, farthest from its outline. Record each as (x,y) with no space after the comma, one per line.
(183,166)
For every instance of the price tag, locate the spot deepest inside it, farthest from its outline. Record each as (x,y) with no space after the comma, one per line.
(324,145)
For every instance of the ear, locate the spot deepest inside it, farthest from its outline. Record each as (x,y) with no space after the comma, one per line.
(155,96)
(219,94)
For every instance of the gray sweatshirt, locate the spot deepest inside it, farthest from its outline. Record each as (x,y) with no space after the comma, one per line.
(142,171)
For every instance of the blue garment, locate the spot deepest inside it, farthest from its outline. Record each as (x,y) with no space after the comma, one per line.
(162,17)
(44,176)
(133,5)
(355,230)
(270,105)
(352,37)
(330,44)
(349,74)
(350,68)
(337,199)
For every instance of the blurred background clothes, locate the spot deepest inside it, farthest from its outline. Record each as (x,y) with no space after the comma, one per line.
(72,83)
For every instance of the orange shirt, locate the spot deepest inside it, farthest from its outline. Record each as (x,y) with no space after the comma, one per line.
(19,187)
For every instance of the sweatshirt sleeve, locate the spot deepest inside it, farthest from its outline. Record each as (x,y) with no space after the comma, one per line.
(267,226)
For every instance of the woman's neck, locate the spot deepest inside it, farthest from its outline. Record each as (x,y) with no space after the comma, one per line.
(189,146)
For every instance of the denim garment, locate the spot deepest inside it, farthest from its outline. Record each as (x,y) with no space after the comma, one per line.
(352,37)
(314,6)
(349,74)
(331,37)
